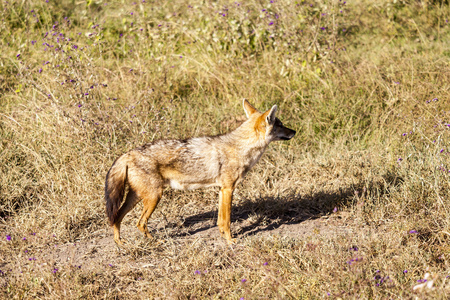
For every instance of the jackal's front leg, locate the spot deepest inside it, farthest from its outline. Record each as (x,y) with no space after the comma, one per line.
(224,217)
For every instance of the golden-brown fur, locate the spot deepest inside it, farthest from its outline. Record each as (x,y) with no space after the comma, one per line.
(221,160)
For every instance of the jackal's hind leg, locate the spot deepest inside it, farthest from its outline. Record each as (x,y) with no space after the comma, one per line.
(150,200)
(130,201)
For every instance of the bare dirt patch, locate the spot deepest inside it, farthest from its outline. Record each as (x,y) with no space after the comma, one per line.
(99,251)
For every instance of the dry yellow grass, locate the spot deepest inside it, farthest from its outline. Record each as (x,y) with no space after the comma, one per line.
(355,206)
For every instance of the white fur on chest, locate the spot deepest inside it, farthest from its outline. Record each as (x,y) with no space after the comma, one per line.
(253,156)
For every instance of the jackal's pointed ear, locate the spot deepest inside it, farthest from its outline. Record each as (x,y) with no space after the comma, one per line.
(270,114)
(248,108)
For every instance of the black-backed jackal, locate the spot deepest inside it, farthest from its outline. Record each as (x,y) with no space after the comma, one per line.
(221,160)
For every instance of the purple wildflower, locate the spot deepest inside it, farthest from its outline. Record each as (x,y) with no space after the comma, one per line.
(8,237)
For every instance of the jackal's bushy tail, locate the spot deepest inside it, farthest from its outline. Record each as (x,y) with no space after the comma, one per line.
(115,188)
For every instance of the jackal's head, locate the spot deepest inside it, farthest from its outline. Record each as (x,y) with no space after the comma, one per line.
(267,124)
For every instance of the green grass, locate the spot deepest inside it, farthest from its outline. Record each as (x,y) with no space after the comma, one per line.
(365,84)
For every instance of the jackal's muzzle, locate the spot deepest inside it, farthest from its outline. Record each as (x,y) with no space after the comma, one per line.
(288,134)
(281,132)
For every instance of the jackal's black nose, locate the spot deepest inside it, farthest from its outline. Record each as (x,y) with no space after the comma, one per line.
(289,135)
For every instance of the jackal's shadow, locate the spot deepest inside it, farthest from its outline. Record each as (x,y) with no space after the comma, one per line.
(249,217)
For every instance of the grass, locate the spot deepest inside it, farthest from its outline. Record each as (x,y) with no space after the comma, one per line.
(356,205)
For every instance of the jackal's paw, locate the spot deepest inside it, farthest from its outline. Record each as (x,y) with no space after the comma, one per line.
(158,242)
(148,235)
(144,230)
(231,241)
(120,242)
